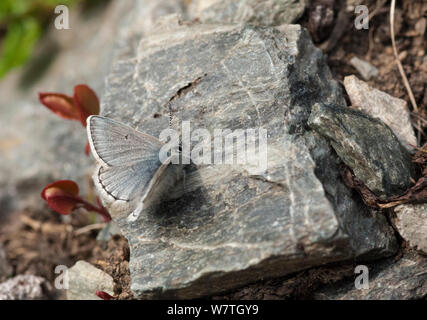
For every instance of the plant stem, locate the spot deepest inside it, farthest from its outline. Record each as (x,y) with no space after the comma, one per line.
(100,210)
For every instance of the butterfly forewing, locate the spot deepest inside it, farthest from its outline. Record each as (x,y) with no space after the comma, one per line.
(116,144)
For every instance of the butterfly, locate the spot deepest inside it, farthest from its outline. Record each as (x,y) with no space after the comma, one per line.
(129,175)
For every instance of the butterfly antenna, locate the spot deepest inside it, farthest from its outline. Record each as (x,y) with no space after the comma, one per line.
(170,115)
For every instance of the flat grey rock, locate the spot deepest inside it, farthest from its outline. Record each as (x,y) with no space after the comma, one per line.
(367,146)
(389,280)
(392,111)
(235,224)
(411,223)
(259,12)
(25,287)
(85,280)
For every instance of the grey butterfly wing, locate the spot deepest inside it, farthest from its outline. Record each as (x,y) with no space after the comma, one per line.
(115,144)
(127,183)
(129,160)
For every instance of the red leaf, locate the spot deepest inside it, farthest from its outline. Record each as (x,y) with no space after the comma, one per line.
(86,101)
(62,204)
(61,196)
(60,104)
(104,295)
(67,186)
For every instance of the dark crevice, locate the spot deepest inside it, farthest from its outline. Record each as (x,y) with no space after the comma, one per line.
(187,88)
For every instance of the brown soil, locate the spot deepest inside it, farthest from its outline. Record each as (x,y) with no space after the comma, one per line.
(114,260)
(374,46)
(36,242)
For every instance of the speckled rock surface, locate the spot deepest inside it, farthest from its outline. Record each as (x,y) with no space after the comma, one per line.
(392,111)
(389,280)
(411,223)
(367,146)
(233,224)
(25,287)
(260,12)
(85,280)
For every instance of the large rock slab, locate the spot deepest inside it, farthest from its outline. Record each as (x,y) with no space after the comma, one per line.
(411,223)
(367,146)
(260,12)
(392,111)
(234,224)
(389,280)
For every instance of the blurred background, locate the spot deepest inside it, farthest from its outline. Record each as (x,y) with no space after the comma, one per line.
(23,23)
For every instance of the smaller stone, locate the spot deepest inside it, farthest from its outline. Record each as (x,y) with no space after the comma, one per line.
(25,287)
(390,280)
(367,146)
(85,280)
(5,267)
(366,70)
(411,223)
(392,111)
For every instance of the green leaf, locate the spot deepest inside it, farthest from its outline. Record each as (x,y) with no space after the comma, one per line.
(18,43)
(10,8)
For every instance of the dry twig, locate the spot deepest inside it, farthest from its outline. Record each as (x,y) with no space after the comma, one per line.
(396,55)
(90,227)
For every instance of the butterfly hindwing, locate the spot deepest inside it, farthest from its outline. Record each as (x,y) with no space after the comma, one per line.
(127,182)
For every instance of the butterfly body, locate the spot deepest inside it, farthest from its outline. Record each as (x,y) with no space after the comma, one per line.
(129,176)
